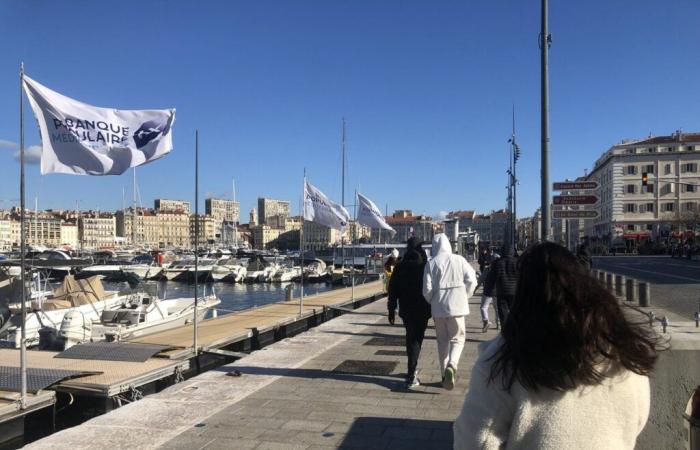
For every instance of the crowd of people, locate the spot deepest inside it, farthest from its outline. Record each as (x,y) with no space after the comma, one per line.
(567,369)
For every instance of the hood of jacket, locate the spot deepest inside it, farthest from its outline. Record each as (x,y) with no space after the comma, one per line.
(441,245)
(447,269)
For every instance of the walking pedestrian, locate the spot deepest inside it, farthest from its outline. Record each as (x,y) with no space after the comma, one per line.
(501,281)
(568,370)
(406,292)
(584,256)
(389,265)
(448,282)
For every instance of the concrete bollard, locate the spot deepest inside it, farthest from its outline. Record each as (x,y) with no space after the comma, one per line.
(609,282)
(644,294)
(619,285)
(289,292)
(631,290)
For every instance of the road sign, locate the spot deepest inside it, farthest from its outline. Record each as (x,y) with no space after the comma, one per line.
(578,214)
(574,199)
(574,185)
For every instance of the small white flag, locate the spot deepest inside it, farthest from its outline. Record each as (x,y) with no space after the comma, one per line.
(370,215)
(81,139)
(318,208)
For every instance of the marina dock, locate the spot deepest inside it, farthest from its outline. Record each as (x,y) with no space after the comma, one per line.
(106,384)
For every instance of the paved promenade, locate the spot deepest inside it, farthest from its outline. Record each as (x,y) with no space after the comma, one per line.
(291,395)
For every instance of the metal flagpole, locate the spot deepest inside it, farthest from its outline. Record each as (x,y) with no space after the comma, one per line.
(353,239)
(196,237)
(301,245)
(545,40)
(342,202)
(23,245)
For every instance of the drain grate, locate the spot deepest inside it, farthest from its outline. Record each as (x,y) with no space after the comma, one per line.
(390,352)
(358,367)
(37,379)
(113,351)
(387,341)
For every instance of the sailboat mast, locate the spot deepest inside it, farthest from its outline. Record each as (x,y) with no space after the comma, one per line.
(133,210)
(342,202)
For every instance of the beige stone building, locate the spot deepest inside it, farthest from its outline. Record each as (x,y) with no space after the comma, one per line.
(97,231)
(207,230)
(174,229)
(69,234)
(265,237)
(630,212)
(43,230)
(6,240)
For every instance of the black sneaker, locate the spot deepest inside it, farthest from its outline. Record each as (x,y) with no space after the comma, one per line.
(485,326)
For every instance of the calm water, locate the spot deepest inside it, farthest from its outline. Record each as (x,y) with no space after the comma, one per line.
(234,297)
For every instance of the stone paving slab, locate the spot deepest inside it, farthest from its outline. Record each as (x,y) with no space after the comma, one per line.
(313,407)
(288,397)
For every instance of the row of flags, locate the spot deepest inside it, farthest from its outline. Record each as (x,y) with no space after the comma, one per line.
(81,139)
(320,209)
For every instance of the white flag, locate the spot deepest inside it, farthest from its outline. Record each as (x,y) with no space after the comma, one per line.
(370,215)
(81,139)
(318,208)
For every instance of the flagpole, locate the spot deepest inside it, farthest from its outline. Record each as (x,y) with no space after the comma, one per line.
(196,237)
(301,245)
(23,245)
(342,202)
(352,240)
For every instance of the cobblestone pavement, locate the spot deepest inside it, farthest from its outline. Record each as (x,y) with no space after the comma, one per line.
(314,407)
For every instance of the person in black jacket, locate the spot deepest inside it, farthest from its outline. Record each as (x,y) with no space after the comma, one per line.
(503,277)
(584,256)
(406,291)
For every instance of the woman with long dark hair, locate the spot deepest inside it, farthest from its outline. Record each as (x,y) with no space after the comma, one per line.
(568,371)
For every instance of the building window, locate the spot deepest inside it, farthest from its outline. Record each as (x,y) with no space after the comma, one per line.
(668,207)
(669,149)
(631,170)
(690,148)
(689,188)
(689,167)
(650,150)
(667,169)
(649,207)
(650,188)
(631,189)
(649,168)
(668,188)
(630,227)
(630,207)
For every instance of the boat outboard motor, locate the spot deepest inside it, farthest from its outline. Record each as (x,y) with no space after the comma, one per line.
(48,339)
(75,329)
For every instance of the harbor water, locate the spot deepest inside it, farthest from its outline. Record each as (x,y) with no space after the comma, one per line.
(233,296)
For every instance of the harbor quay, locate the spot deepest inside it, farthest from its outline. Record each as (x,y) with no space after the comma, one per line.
(341,385)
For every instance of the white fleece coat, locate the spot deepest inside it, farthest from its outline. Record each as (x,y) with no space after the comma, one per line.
(606,416)
(448,280)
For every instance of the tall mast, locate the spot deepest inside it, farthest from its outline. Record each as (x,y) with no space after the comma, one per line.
(133,210)
(342,202)
(196,238)
(23,248)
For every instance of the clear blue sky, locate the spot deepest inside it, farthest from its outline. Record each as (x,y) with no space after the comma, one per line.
(426,88)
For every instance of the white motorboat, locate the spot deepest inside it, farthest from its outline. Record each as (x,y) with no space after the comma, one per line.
(316,271)
(138,315)
(86,297)
(228,270)
(286,274)
(177,271)
(144,271)
(203,270)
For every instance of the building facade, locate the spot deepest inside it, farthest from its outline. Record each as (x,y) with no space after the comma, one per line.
(629,211)
(270,208)
(70,235)
(162,204)
(96,231)
(223,210)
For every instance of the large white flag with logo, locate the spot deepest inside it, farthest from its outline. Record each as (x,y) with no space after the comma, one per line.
(318,208)
(370,215)
(81,139)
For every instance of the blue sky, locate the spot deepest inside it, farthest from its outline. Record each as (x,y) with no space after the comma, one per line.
(426,89)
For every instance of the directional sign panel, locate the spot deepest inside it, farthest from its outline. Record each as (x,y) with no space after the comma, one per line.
(580,214)
(574,185)
(574,199)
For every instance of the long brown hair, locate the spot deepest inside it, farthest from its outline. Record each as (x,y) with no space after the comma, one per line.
(564,326)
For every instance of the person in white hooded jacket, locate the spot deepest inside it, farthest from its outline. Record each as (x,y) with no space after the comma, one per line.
(448,283)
